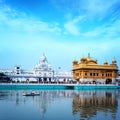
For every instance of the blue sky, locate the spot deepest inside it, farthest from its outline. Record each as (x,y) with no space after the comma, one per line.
(63,30)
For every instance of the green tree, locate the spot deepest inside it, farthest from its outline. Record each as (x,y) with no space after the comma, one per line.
(4,78)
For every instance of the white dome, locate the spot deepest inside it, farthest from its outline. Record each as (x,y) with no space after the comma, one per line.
(43,58)
(37,66)
(43,64)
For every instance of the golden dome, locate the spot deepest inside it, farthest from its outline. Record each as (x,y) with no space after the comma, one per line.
(114,61)
(75,61)
(90,60)
(83,59)
(105,62)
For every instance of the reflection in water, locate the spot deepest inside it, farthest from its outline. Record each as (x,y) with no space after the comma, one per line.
(89,103)
(48,97)
(3,95)
(85,104)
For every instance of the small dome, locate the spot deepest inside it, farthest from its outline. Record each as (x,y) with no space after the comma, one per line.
(43,58)
(49,66)
(37,66)
(75,61)
(105,62)
(83,59)
(114,61)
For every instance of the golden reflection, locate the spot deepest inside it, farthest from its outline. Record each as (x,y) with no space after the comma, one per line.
(88,103)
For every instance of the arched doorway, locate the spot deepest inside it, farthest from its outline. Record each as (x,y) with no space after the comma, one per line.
(40,80)
(108,81)
(94,82)
(45,79)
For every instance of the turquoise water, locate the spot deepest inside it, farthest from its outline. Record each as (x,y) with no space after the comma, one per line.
(60,105)
(30,86)
(55,86)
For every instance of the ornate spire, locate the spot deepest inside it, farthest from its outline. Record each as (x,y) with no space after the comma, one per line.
(114,61)
(88,55)
(105,62)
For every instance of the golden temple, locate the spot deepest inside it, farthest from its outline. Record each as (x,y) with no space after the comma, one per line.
(89,71)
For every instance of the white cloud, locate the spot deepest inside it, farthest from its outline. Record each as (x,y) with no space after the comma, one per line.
(98,41)
(72,26)
(19,20)
(97,8)
(93,33)
(90,8)
(105,30)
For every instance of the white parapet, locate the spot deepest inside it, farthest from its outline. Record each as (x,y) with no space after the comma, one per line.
(86,80)
(113,80)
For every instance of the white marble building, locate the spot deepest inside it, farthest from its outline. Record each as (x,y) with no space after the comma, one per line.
(42,71)
(43,68)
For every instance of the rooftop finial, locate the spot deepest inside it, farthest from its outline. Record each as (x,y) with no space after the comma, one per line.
(88,55)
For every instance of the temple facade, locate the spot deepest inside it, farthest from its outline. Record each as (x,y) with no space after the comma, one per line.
(42,72)
(89,71)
